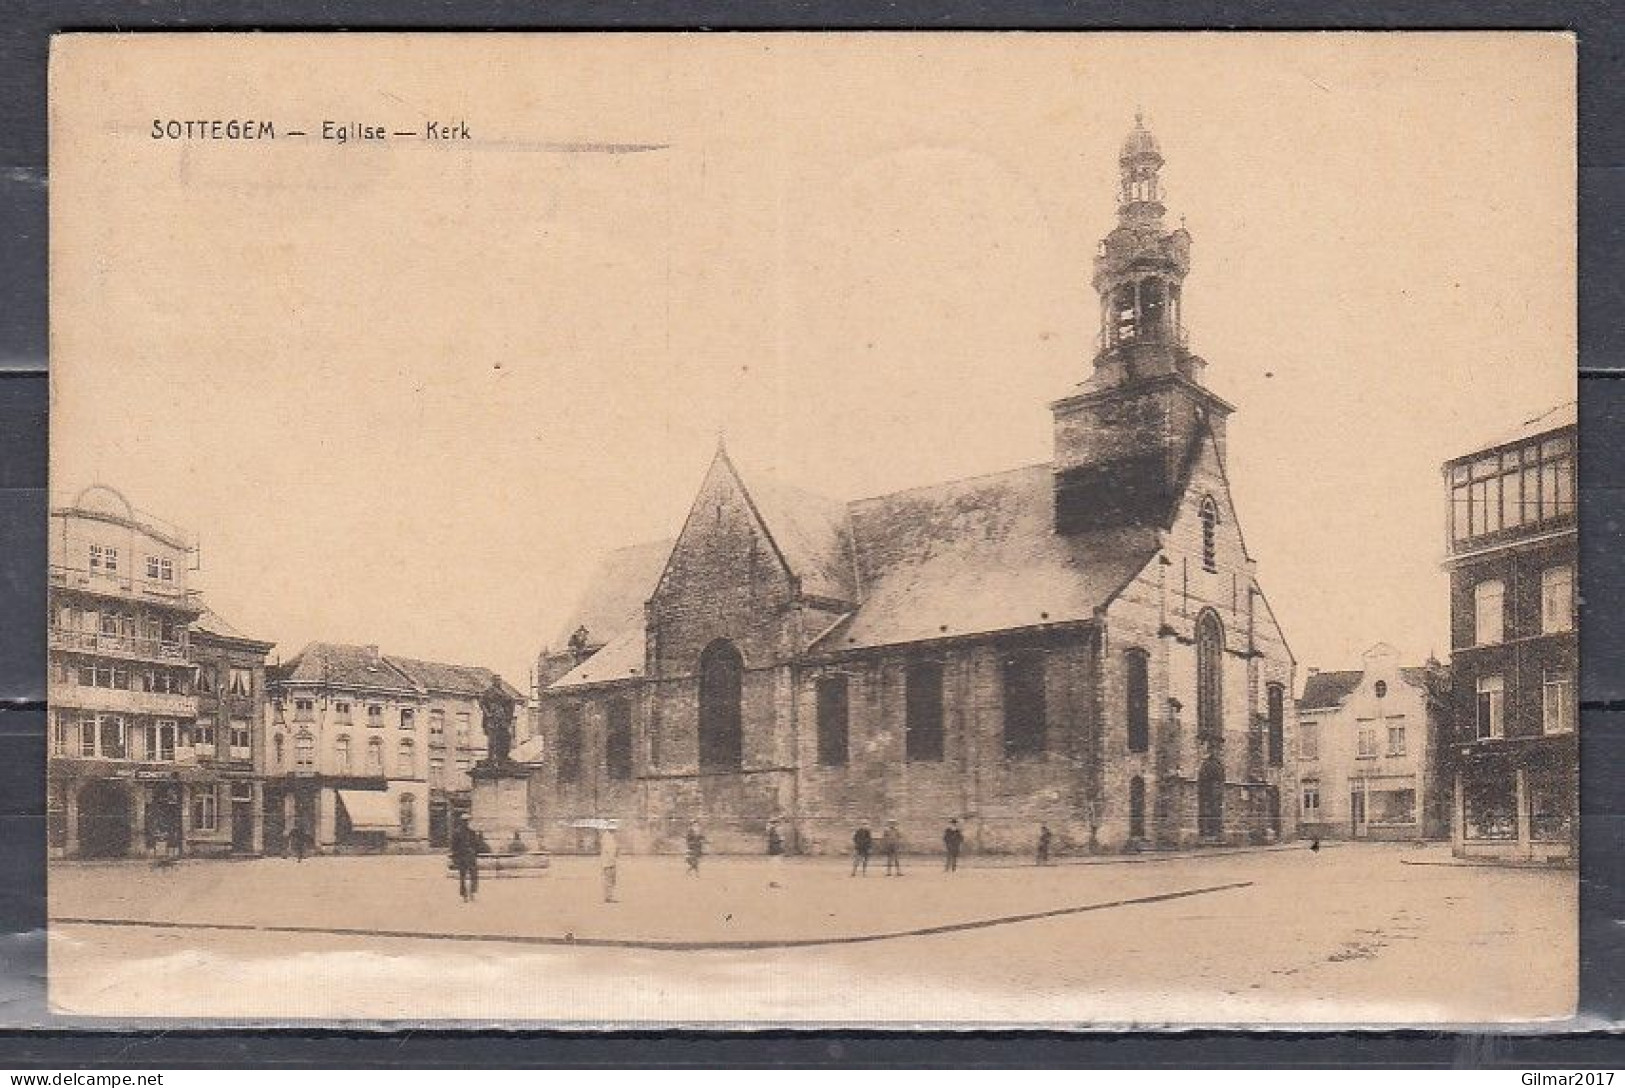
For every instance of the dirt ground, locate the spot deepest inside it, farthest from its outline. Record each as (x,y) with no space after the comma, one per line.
(1352,934)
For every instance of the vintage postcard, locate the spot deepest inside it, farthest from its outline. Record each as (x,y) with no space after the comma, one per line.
(799,529)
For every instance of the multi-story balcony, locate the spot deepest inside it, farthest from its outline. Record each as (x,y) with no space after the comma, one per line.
(123,587)
(127,646)
(120,701)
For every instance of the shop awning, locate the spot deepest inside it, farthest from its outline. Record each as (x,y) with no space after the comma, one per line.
(369,810)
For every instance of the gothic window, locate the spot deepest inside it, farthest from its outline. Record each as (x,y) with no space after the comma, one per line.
(618,739)
(1209,677)
(1024,710)
(833,713)
(722,736)
(1138,695)
(1210,534)
(1276,697)
(570,743)
(922,721)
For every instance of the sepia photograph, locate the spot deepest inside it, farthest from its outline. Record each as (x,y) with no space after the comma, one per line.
(1052,530)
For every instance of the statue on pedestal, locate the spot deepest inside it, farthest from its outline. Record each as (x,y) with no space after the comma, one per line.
(497,708)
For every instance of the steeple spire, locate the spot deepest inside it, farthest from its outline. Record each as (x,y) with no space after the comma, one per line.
(1140,272)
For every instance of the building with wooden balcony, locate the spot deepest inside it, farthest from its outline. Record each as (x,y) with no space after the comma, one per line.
(122,775)
(1513,547)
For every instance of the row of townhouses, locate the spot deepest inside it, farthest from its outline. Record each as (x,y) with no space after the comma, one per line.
(172,734)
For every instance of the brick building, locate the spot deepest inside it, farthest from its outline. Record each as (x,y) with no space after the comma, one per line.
(370,751)
(1369,743)
(1082,642)
(228,735)
(1512,551)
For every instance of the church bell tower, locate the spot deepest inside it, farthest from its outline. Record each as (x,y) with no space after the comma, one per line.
(1124,438)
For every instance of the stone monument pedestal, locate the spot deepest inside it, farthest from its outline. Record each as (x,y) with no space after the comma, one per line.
(500,807)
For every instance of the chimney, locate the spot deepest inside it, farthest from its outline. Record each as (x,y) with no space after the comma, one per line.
(373,659)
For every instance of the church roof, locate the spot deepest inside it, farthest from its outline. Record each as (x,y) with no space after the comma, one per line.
(810,531)
(977,556)
(966,557)
(616,592)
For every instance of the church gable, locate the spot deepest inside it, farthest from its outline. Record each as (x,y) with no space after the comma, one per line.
(724,579)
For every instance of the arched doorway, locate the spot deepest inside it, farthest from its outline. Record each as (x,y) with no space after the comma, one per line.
(1210,800)
(1136,807)
(104,820)
(722,738)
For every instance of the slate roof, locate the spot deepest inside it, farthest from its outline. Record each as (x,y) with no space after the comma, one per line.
(211,623)
(1325,690)
(977,556)
(616,593)
(340,665)
(811,531)
(472,680)
(967,557)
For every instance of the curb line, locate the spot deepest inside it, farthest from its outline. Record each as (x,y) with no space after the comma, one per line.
(659,945)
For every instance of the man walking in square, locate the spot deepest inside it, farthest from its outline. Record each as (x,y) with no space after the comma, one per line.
(953,839)
(891,842)
(862,843)
(465,855)
(609,852)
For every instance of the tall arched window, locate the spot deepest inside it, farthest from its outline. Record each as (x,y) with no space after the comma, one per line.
(1276,716)
(1210,534)
(722,739)
(1209,677)
(1138,694)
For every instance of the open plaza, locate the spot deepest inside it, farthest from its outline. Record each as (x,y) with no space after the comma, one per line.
(1370,933)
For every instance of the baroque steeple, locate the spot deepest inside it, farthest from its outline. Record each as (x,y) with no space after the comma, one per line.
(1125,437)
(1140,273)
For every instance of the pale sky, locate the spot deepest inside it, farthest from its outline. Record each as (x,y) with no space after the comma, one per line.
(409,393)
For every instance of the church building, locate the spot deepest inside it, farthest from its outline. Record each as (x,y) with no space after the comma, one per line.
(1081,644)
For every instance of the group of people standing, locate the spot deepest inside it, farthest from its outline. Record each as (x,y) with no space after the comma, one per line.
(466,847)
(953,844)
